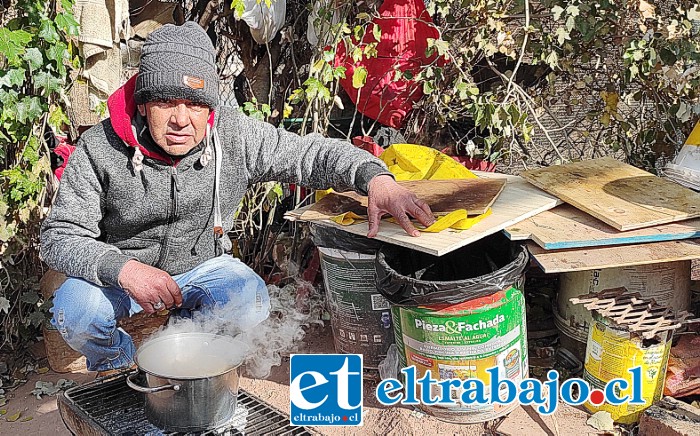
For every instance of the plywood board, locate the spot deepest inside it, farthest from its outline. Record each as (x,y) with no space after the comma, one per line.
(518,201)
(621,195)
(584,259)
(567,227)
(443,196)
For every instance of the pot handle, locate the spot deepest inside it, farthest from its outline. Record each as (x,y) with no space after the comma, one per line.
(132,384)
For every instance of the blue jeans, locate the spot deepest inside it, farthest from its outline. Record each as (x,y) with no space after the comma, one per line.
(86,315)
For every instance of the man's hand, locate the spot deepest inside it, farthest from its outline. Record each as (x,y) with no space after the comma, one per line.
(149,286)
(385,196)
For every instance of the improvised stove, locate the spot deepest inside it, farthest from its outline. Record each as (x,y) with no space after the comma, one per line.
(109,407)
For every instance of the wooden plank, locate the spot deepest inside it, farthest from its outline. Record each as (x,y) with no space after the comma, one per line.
(443,196)
(584,259)
(518,201)
(621,195)
(567,227)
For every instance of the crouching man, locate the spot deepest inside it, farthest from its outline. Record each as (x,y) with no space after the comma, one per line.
(147,198)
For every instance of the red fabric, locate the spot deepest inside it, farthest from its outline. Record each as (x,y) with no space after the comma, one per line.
(367,144)
(406,27)
(64,149)
(122,108)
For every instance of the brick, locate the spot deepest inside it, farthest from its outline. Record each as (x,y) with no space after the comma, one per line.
(670,417)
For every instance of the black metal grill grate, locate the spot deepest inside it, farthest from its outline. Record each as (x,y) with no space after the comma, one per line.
(110,406)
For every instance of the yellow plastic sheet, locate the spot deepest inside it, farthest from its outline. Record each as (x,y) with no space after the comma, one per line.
(348,218)
(694,138)
(417,162)
(457,220)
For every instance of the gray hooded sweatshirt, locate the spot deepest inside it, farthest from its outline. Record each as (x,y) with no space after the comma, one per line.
(111,208)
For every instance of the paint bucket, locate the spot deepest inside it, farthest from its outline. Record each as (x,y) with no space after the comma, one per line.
(666,283)
(360,315)
(458,316)
(610,352)
(463,341)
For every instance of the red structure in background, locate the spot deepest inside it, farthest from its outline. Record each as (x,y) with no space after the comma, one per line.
(406,27)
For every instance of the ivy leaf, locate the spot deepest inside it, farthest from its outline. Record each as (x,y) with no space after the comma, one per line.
(318,66)
(67,23)
(357,54)
(29,109)
(239,8)
(329,55)
(359,77)
(13,78)
(573,10)
(562,35)
(358,32)
(47,81)
(12,43)
(552,59)
(377,33)
(557,11)
(440,45)
(313,88)
(67,4)
(36,318)
(7,232)
(34,58)
(47,32)
(296,96)
(58,53)
(570,23)
(57,118)
(29,297)
(4,305)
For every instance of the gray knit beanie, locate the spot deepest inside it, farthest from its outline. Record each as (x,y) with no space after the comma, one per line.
(177,62)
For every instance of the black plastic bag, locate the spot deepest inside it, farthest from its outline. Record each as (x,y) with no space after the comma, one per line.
(410,278)
(331,237)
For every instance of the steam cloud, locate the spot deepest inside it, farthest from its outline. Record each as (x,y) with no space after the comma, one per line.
(281,333)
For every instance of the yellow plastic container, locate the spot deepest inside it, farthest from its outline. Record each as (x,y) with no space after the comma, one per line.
(611,352)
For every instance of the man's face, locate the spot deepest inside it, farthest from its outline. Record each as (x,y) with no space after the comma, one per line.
(177,126)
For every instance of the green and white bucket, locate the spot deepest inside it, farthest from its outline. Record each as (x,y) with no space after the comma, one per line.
(459,315)
(463,341)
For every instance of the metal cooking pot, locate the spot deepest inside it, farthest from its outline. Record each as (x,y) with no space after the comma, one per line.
(191,380)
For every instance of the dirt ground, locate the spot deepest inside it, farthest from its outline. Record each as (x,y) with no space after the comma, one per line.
(378,420)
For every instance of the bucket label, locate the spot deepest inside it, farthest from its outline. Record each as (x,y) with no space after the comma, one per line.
(463,341)
(611,352)
(360,315)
